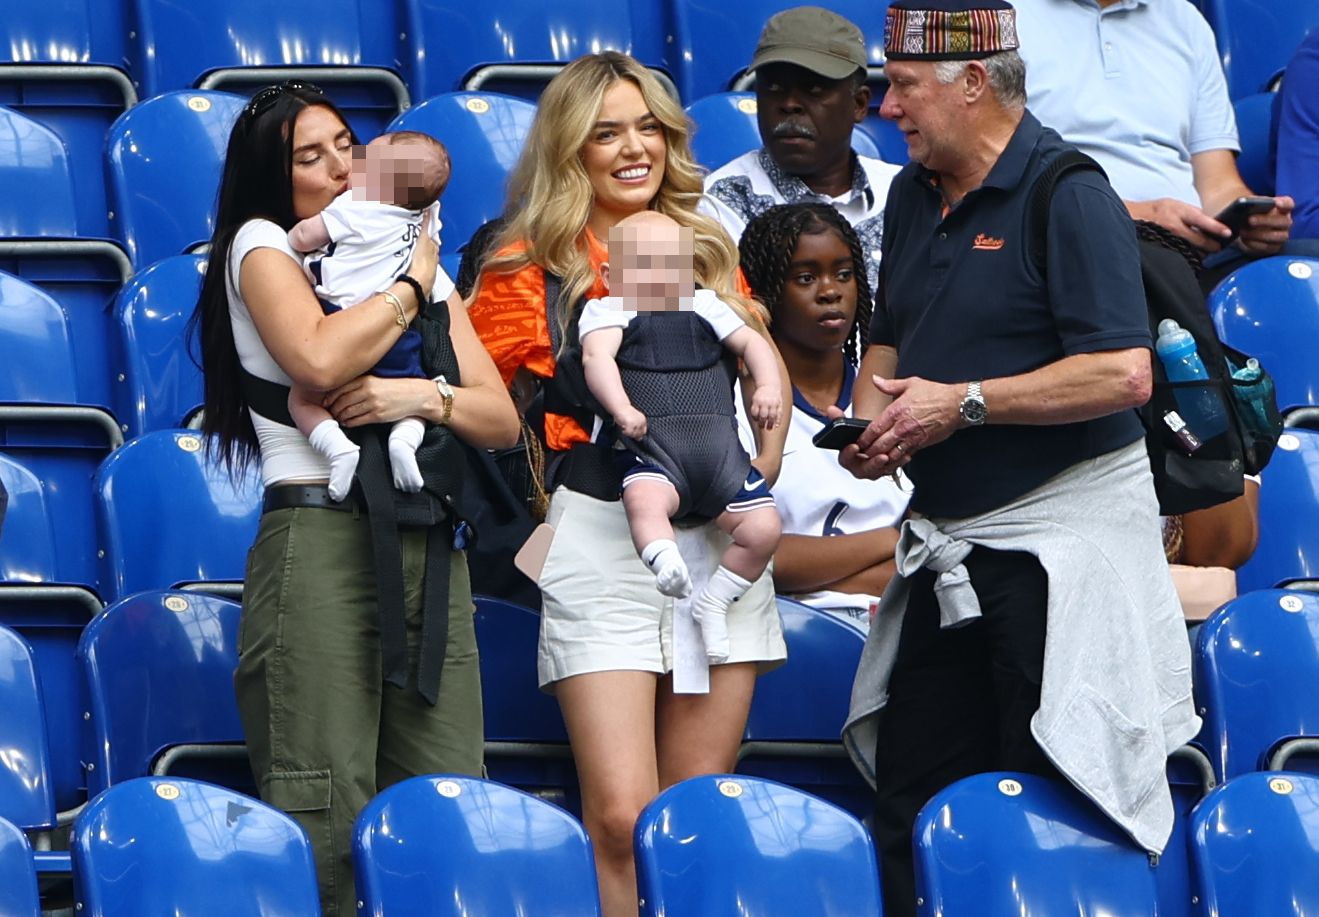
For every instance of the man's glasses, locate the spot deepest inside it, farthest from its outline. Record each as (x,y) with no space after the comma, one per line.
(263,100)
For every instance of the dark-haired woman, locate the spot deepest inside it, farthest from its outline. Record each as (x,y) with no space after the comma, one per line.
(325,730)
(804,263)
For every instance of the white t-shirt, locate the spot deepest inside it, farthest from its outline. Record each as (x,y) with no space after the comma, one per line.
(371,244)
(285,453)
(817,496)
(609,312)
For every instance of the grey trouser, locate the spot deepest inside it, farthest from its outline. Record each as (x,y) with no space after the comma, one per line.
(325,733)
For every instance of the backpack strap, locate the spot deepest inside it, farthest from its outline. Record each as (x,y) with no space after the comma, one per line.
(1041,199)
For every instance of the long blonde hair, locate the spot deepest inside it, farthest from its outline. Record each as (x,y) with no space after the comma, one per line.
(550,196)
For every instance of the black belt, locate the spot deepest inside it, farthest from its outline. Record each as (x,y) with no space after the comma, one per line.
(289,496)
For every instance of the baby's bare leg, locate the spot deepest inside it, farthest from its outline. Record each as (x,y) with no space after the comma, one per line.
(755,535)
(325,436)
(650,502)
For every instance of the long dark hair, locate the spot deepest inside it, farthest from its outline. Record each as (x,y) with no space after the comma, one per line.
(257,183)
(767,247)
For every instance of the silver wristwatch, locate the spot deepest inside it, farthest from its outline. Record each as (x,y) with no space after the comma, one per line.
(973,408)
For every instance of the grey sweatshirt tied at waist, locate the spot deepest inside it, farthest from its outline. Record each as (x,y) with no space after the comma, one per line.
(1116,692)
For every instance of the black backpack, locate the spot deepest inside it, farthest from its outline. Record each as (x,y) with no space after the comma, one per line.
(1189,473)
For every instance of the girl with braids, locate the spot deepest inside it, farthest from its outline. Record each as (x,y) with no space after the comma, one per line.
(608,143)
(805,264)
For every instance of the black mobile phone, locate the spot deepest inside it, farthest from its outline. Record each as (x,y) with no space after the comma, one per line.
(1234,215)
(839,433)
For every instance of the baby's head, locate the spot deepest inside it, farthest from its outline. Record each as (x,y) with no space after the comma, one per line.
(405,168)
(650,262)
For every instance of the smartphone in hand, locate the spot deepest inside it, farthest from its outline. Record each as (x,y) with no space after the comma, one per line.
(839,433)
(1234,215)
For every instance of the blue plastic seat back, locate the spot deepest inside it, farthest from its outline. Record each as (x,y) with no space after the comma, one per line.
(37,347)
(186,640)
(1256,667)
(1257,129)
(451,44)
(1288,546)
(18,877)
(446,846)
(89,35)
(1257,38)
(741,845)
(36,188)
(1270,309)
(713,43)
(169,515)
(26,796)
(163,159)
(484,133)
(27,538)
(161,845)
(1256,846)
(161,385)
(1190,777)
(516,710)
(725,128)
(999,844)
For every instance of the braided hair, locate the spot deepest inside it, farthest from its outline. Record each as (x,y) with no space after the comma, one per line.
(769,243)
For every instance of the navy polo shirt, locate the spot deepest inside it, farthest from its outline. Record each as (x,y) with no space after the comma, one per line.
(960,299)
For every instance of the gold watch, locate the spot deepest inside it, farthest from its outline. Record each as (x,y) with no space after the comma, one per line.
(446,396)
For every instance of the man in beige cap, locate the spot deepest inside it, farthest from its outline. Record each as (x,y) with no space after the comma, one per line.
(810,71)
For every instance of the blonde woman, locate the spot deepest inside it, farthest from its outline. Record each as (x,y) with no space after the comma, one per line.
(608,142)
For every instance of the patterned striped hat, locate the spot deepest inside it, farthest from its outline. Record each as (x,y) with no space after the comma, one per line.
(949,29)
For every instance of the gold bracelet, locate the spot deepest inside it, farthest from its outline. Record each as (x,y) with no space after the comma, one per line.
(446,397)
(401,316)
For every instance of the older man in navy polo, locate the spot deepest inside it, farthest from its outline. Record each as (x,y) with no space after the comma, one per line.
(1033,625)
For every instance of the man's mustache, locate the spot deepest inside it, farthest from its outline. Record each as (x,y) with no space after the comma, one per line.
(793,129)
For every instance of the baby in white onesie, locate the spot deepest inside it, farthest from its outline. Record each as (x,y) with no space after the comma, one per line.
(359,245)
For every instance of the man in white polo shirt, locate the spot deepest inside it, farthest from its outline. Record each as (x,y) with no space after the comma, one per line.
(810,70)
(1137,85)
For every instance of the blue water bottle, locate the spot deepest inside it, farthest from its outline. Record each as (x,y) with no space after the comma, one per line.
(1199,407)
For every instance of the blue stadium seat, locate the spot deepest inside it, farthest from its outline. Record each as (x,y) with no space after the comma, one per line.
(448,846)
(47,423)
(50,615)
(1256,670)
(27,798)
(158,381)
(713,44)
(1288,546)
(1190,778)
(1254,846)
(1257,38)
(18,879)
(484,133)
(163,160)
(526,742)
(62,63)
(188,641)
(725,128)
(160,845)
(1004,844)
(1270,308)
(41,241)
(794,730)
(348,47)
(515,47)
(1257,128)
(725,844)
(170,517)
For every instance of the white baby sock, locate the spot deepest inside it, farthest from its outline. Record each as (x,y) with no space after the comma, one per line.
(671,576)
(404,439)
(711,610)
(330,441)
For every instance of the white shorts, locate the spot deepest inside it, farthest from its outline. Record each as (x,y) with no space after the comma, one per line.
(602,612)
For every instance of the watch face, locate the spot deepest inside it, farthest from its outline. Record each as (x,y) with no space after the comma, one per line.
(973,411)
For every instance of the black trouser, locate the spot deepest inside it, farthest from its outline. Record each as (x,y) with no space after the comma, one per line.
(960,702)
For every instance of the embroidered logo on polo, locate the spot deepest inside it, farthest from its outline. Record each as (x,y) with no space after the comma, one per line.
(986,243)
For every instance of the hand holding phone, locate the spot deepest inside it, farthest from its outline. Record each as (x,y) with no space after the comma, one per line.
(1235,214)
(839,433)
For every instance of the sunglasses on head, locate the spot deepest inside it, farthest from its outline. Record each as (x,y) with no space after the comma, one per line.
(261,103)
